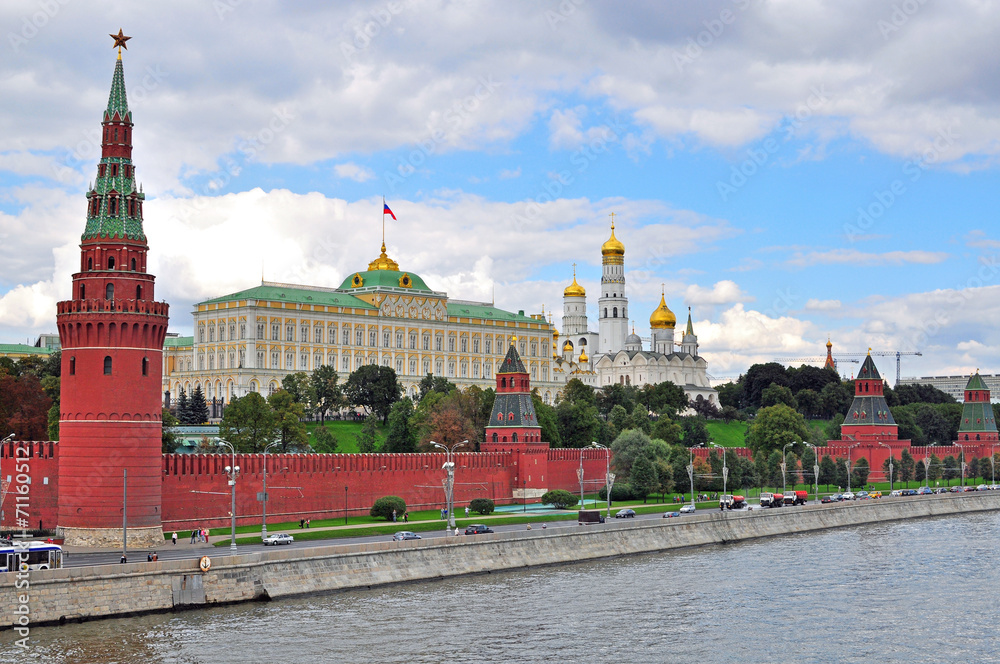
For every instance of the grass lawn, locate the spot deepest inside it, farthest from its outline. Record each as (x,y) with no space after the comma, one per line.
(346,433)
(726,435)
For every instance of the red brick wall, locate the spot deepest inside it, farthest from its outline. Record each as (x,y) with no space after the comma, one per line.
(42,490)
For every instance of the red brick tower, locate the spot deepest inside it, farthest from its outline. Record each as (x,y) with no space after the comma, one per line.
(869,419)
(977,424)
(111,333)
(514,427)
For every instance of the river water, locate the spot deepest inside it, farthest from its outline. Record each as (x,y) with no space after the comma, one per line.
(907,591)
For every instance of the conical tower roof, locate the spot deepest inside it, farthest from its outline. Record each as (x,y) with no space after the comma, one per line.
(976,382)
(868,370)
(118,100)
(512,362)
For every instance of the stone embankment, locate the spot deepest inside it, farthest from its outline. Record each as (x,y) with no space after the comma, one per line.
(94,592)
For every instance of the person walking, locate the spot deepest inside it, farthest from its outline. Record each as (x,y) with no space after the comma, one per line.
(194,534)
(174,538)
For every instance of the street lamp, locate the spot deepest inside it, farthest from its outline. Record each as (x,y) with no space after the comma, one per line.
(690,470)
(815,466)
(783,466)
(725,470)
(886,446)
(849,448)
(232,472)
(959,445)
(579,476)
(609,479)
(449,482)
(927,469)
(263,496)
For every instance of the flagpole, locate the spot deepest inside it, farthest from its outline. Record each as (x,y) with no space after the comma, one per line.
(383,222)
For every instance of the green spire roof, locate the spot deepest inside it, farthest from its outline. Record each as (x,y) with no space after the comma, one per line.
(117,101)
(690,327)
(976,382)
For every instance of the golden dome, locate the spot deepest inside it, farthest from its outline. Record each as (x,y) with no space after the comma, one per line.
(574,289)
(583,356)
(383,262)
(662,317)
(555,334)
(568,346)
(613,247)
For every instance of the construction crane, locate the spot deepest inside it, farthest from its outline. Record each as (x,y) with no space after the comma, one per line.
(806,360)
(887,353)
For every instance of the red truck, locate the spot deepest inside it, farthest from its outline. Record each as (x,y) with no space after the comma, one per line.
(795,498)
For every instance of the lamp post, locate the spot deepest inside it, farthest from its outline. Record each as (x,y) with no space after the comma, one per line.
(609,479)
(725,469)
(579,476)
(815,466)
(849,448)
(690,470)
(886,446)
(959,445)
(783,466)
(927,469)
(232,472)
(449,486)
(263,496)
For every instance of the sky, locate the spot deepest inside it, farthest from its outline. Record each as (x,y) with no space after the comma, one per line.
(791,170)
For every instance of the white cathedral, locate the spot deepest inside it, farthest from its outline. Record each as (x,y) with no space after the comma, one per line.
(612,355)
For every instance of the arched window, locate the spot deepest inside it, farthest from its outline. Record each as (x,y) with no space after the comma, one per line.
(109,292)
(503,382)
(111,262)
(513,437)
(510,417)
(138,292)
(83,292)
(495,437)
(614,312)
(145,366)
(72,366)
(499,417)
(90,263)
(107,365)
(133,265)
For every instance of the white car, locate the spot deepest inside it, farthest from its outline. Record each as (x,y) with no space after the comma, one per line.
(896,492)
(848,495)
(278,538)
(687,509)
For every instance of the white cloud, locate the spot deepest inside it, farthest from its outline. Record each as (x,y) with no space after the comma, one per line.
(352,171)
(722,292)
(854,257)
(814,304)
(508,174)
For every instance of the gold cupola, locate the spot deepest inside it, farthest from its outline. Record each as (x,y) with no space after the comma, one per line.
(574,289)
(662,317)
(613,247)
(383,262)
(583,357)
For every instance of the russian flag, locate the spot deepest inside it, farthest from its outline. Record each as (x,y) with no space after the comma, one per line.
(387,211)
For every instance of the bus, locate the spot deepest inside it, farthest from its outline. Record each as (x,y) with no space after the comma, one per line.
(29,556)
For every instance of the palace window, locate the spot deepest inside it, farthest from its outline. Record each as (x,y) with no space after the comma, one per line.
(413,367)
(413,342)
(427,367)
(489,345)
(201,362)
(289,333)
(304,334)
(451,344)
(303,361)
(475,345)
(317,361)
(260,359)
(439,367)
(524,345)
(399,366)
(475,370)
(289,360)
(243,330)
(346,337)
(318,335)
(346,363)
(275,331)
(386,339)
(372,338)
(437,342)
(465,370)
(211,333)
(260,330)
(534,349)
(427,342)
(399,340)
(451,369)
(359,337)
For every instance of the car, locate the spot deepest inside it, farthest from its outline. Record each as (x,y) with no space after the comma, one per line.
(670,515)
(827,499)
(687,509)
(896,492)
(477,529)
(956,489)
(911,492)
(982,487)
(404,535)
(875,494)
(278,538)
(625,514)
(942,489)
(862,495)
(848,495)
(837,497)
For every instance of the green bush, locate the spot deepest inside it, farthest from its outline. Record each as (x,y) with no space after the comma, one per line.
(384,506)
(618,492)
(482,506)
(560,499)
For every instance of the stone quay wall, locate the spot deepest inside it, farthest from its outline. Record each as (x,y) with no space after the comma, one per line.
(120,590)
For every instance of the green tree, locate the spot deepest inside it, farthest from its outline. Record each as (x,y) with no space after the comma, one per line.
(619,418)
(919,472)
(695,431)
(547,419)
(809,402)
(560,499)
(950,468)
(936,428)
(704,407)
(183,413)
(761,471)
(730,395)
(667,430)
(808,461)
(643,478)
(168,442)
(905,471)
(326,393)
(827,471)
(775,394)
(775,426)
(373,387)
(758,378)
(288,414)
(934,471)
(299,387)
(842,473)
(665,474)
(431,383)
(384,507)
(860,472)
(973,468)
(836,398)
(367,438)
(249,423)
(198,408)
(576,391)
(578,423)
(325,440)
(613,395)
(628,446)
(482,506)
(774,468)
(401,437)
(640,419)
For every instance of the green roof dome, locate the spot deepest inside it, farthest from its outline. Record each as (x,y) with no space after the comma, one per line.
(384,279)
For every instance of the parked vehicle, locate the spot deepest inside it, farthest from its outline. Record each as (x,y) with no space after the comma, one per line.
(849,495)
(862,495)
(590,516)
(626,513)
(837,497)
(404,535)
(875,494)
(827,499)
(278,538)
(477,529)
(942,489)
(982,487)
(896,492)
(911,492)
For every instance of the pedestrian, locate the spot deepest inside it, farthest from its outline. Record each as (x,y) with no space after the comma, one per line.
(308,523)
(155,557)
(466,511)
(149,557)
(406,517)
(124,559)
(456,532)
(442,512)
(394,516)
(174,538)
(204,535)
(302,524)
(193,535)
